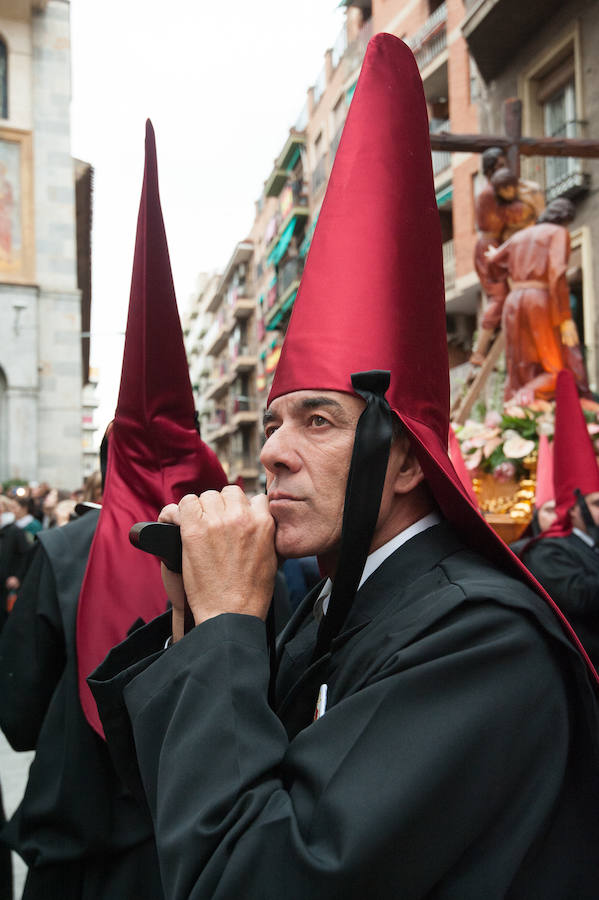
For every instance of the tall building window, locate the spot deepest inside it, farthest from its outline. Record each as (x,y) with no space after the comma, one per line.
(559,115)
(3,80)
(553,106)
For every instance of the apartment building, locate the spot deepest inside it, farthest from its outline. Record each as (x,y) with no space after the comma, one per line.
(472,56)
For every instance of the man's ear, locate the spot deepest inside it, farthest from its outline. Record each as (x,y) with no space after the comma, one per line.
(407,472)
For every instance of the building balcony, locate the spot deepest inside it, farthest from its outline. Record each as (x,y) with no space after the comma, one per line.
(496,29)
(354,54)
(244,362)
(449,264)
(218,388)
(243,308)
(288,283)
(431,39)
(336,139)
(240,256)
(285,230)
(319,175)
(441,159)
(244,417)
(285,161)
(215,343)
(245,467)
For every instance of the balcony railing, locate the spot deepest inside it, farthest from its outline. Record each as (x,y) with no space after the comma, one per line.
(336,139)
(449,264)
(241,403)
(432,23)
(319,174)
(355,51)
(441,158)
(289,273)
(432,48)
(565,175)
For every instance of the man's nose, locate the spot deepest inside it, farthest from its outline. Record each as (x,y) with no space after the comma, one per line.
(280,451)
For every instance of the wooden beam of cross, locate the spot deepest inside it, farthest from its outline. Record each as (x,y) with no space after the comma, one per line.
(513,143)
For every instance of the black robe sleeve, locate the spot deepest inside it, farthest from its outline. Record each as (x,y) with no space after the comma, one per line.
(571,578)
(32,656)
(383,796)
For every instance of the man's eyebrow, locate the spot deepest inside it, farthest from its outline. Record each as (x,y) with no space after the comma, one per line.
(309,403)
(317,402)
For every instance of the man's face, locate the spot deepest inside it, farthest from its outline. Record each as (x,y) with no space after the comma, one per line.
(593,505)
(307,454)
(507,193)
(546,515)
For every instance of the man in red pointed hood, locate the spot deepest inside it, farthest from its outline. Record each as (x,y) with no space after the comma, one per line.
(566,558)
(419,730)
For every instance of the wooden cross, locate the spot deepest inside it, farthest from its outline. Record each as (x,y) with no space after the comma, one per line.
(514,146)
(513,143)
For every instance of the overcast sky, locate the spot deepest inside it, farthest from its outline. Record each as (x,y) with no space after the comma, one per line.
(222,83)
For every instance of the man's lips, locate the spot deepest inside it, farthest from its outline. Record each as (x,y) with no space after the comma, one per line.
(282,497)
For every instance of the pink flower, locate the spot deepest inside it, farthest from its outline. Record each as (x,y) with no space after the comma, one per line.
(505,471)
(492,419)
(473,460)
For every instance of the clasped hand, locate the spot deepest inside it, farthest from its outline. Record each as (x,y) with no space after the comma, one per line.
(229,558)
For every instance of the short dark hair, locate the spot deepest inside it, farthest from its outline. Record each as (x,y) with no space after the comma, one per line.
(490,159)
(504,177)
(558,212)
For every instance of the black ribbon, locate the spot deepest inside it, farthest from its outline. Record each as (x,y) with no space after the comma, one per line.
(363,494)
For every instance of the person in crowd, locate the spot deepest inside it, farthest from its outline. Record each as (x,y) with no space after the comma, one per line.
(566,557)
(53,497)
(81,832)
(23,517)
(426,725)
(14,554)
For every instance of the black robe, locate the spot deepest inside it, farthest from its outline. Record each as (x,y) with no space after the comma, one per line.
(568,569)
(14,555)
(79,830)
(456,758)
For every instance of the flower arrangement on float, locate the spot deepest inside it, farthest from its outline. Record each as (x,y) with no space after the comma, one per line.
(500,453)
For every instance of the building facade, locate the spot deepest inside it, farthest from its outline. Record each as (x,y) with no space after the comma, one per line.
(472,56)
(41,355)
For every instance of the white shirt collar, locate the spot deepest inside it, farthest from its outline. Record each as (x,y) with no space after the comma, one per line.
(377,557)
(583,537)
(24,521)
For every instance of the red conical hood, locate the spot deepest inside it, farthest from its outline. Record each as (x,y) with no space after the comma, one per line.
(574,463)
(155,452)
(544,488)
(372,294)
(374,271)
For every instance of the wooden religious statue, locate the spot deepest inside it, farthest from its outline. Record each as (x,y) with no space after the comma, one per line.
(504,205)
(540,334)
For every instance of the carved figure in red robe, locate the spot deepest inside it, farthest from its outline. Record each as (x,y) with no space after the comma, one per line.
(541,336)
(505,205)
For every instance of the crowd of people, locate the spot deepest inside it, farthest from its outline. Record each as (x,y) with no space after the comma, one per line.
(25,510)
(425,724)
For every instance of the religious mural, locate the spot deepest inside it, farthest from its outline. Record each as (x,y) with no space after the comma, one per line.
(16,263)
(10,206)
